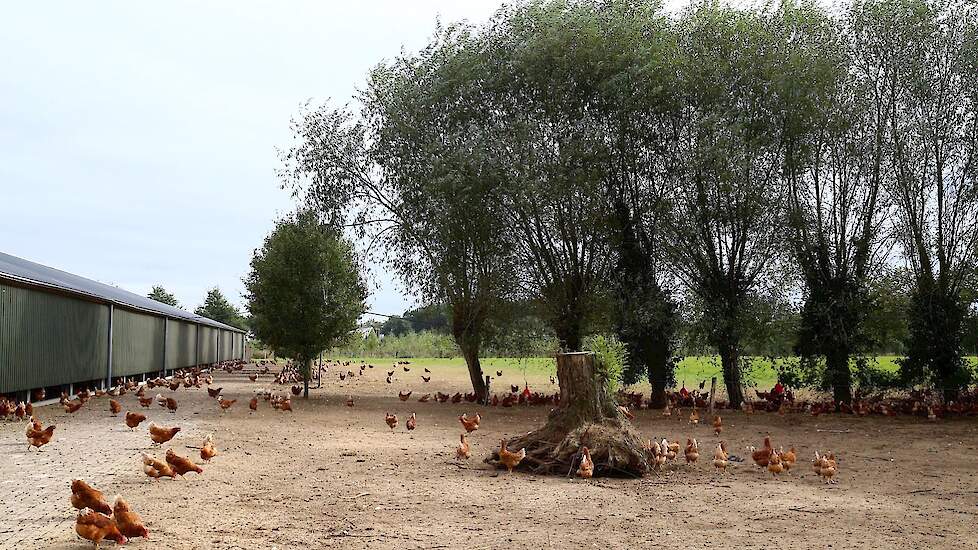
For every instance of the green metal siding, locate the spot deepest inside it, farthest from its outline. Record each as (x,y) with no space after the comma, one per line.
(48,339)
(180,344)
(208,345)
(137,343)
(227,345)
(236,346)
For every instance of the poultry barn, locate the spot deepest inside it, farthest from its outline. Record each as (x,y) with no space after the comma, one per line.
(59,331)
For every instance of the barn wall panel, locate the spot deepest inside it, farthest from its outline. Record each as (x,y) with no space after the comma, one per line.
(137,343)
(48,339)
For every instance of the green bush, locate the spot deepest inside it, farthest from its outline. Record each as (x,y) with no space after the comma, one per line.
(868,376)
(412,344)
(801,372)
(610,358)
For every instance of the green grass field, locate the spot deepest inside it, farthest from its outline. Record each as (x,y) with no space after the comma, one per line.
(691,371)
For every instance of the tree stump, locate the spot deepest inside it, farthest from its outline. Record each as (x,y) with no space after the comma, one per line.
(586,416)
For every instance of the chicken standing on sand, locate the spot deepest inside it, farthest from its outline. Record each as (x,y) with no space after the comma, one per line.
(97,527)
(692,451)
(788,458)
(156,468)
(84,496)
(207,451)
(161,435)
(40,438)
(181,465)
(586,469)
(720,459)
(774,464)
(128,522)
(508,458)
(225,403)
(762,456)
(463,450)
(133,419)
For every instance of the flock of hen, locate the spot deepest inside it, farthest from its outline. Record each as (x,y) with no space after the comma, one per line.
(118,521)
(777,461)
(507,458)
(97,520)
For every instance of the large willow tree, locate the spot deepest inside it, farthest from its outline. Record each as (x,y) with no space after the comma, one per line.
(921,61)
(562,72)
(723,224)
(416,175)
(836,207)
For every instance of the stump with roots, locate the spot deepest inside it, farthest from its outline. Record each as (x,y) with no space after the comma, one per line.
(587,416)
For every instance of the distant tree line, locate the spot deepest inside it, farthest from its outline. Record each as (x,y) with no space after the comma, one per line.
(609,164)
(216,306)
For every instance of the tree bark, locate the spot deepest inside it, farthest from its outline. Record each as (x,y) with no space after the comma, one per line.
(467,334)
(475,373)
(839,375)
(305,379)
(587,416)
(569,335)
(730,361)
(657,359)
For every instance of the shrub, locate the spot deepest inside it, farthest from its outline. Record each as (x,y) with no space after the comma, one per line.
(869,377)
(610,358)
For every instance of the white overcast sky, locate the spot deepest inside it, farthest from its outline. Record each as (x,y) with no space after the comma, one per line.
(137,140)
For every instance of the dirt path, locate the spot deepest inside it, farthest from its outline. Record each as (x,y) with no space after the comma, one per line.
(333,476)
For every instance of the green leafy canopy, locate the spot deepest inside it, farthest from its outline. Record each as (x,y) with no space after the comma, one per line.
(305,288)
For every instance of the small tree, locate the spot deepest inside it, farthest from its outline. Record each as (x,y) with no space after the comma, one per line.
(218,308)
(371,343)
(305,290)
(162,296)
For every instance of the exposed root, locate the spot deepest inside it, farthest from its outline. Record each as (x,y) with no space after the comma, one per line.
(616,449)
(587,416)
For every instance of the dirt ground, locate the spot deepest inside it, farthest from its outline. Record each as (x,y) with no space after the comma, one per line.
(329,476)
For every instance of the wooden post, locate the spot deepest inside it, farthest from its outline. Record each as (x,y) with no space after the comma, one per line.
(319,372)
(713,393)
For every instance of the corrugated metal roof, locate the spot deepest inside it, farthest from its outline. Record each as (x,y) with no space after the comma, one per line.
(19,269)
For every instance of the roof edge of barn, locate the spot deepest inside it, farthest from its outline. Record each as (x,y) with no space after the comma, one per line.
(19,271)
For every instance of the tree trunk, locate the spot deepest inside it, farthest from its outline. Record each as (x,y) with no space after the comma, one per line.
(587,416)
(569,338)
(475,373)
(657,359)
(467,335)
(568,330)
(730,361)
(305,379)
(839,375)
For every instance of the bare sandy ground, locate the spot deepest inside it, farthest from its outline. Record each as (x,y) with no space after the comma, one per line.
(329,476)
